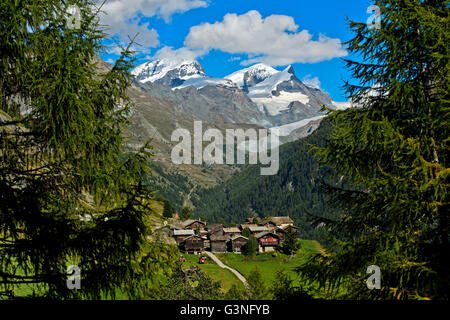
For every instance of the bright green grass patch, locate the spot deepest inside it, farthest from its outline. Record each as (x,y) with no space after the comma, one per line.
(311,246)
(266,264)
(269,264)
(226,277)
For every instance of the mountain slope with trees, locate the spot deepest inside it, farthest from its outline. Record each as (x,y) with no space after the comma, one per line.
(295,191)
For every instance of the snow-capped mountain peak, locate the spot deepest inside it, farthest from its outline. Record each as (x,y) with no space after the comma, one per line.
(178,74)
(158,69)
(270,84)
(253,75)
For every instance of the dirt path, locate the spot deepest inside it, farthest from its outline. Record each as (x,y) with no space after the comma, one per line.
(224,266)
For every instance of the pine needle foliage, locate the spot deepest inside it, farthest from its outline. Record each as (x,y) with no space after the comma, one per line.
(392,150)
(70,193)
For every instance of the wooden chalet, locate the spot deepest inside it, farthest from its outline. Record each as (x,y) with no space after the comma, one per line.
(215,229)
(268,241)
(193,244)
(194,224)
(180,235)
(237,243)
(233,231)
(258,229)
(214,226)
(218,243)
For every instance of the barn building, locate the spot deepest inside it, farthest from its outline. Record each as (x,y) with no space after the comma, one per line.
(194,224)
(180,235)
(218,243)
(237,243)
(193,244)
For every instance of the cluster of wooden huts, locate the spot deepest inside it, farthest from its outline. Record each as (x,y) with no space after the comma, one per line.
(195,236)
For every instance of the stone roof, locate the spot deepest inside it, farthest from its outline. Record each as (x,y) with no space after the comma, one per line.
(258,229)
(264,233)
(196,236)
(191,221)
(176,226)
(282,220)
(238,236)
(215,226)
(183,232)
(218,238)
(286,226)
(232,230)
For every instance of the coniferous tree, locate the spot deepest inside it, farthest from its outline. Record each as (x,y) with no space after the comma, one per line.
(185,213)
(257,289)
(168,210)
(290,244)
(70,193)
(246,232)
(251,247)
(392,150)
(235,293)
(283,288)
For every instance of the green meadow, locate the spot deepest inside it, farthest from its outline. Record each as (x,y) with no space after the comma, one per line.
(270,262)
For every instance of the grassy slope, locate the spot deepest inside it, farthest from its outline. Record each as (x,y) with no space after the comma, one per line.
(226,277)
(268,264)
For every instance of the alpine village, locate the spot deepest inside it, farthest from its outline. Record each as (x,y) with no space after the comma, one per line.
(196,236)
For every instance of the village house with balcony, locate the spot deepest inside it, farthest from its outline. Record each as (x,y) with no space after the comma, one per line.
(268,241)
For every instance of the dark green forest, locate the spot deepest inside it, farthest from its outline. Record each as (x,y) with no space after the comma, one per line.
(170,185)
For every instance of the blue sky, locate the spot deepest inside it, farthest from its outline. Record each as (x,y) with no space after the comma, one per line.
(228,35)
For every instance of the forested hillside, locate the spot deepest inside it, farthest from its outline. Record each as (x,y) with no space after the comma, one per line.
(170,185)
(295,191)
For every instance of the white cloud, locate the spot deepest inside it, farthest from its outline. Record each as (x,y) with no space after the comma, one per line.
(179,55)
(166,8)
(123,17)
(274,40)
(311,81)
